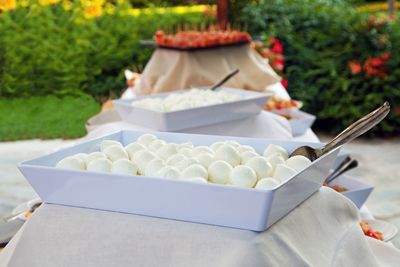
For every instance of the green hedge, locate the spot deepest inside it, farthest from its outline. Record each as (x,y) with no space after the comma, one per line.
(48,50)
(320,38)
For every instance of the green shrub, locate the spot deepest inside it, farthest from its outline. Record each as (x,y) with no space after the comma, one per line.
(45,117)
(320,38)
(48,50)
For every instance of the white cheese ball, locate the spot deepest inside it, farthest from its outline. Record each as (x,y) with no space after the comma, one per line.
(115,152)
(242,149)
(71,163)
(200,180)
(243,176)
(186,151)
(93,156)
(232,143)
(82,156)
(298,163)
(187,145)
(185,163)
(283,172)
(229,154)
(245,156)
(201,149)
(99,165)
(166,151)
(195,170)
(107,143)
(205,159)
(153,167)
(124,166)
(175,159)
(272,149)
(261,166)
(169,172)
(156,145)
(267,183)
(133,148)
(146,139)
(216,145)
(142,158)
(275,159)
(219,172)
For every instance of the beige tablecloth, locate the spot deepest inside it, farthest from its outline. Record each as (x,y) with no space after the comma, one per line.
(169,70)
(323,231)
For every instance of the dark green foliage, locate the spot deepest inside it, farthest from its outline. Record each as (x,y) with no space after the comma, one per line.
(45,117)
(320,37)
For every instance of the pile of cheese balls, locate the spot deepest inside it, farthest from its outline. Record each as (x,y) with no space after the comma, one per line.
(190,99)
(222,162)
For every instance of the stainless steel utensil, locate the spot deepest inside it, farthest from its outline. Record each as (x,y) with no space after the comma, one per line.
(353,131)
(224,80)
(346,165)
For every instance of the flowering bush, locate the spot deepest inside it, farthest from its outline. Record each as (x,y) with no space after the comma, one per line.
(341,63)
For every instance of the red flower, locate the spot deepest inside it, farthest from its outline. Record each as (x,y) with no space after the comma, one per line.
(278,63)
(355,66)
(284,83)
(277,47)
(386,56)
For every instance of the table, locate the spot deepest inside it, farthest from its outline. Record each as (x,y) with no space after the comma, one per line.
(322,231)
(169,70)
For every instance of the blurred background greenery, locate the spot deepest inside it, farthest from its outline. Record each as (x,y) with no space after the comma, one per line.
(63,58)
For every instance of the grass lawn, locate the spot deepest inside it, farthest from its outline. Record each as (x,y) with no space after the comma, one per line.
(45,117)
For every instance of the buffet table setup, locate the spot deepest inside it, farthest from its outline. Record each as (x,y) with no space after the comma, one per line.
(182,175)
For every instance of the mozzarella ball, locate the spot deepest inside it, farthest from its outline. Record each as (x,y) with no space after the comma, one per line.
(195,170)
(283,172)
(142,158)
(232,143)
(115,152)
(197,180)
(132,148)
(146,139)
(71,163)
(298,163)
(275,159)
(245,156)
(156,145)
(154,166)
(272,149)
(185,163)
(185,151)
(261,166)
(242,149)
(166,151)
(243,176)
(99,165)
(169,172)
(188,145)
(200,149)
(219,172)
(82,156)
(205,159)
(175,159)
(93,156)
(228,154)
(107,143)
(267,183)
(124,166)
(216,145)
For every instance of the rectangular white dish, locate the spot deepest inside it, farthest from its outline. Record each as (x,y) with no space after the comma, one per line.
(251,105)
(301,121)
(358,191)
(251,209)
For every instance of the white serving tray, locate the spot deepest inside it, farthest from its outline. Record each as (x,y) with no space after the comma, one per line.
(358,191)
(251,105)
(223,205)
(302,122)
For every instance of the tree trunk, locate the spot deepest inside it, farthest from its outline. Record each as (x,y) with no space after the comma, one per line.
(222,13)
(392,7)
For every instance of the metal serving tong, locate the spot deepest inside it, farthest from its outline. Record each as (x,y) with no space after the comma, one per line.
(225,79)
(346,165)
